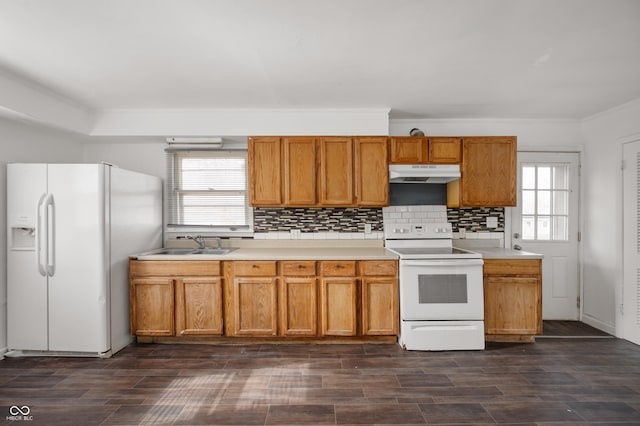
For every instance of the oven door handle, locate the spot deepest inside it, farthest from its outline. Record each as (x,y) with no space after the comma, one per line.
(453,262)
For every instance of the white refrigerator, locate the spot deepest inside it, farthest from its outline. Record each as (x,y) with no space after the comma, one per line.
(70,230)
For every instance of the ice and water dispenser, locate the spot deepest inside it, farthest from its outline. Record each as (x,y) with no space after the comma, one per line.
(22,238)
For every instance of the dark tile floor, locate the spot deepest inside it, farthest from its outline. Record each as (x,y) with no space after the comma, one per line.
(551,382)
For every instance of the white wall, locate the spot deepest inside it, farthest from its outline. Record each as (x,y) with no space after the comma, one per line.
(20,142)
(143,157)
(551,134)
(602,177)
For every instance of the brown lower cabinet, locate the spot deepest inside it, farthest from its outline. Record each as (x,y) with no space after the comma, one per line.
(175,298)
(512,299)
(252,298)
(298,298)
(338,298)
(264,298)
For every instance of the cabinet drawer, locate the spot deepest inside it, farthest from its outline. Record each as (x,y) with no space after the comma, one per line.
(379,268)
(338,268)
(512,266)
(255,268)
(174,267)
(298,268)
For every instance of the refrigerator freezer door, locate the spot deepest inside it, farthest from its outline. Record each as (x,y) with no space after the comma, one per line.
(78,292)
(26,289)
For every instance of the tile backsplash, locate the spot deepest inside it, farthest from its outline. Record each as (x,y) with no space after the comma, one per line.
(317,221)
(349,223)
(474,219)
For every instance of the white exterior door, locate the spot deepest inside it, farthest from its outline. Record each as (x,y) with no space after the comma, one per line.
(546,221)
(631,241)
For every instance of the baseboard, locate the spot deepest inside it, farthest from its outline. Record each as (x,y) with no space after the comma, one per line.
(596,323)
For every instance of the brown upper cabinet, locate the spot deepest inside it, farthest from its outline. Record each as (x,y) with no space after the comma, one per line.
(488,173)
(425,150)
(371,171)
(299,171)
(335,177)
(306,171)
(264,162)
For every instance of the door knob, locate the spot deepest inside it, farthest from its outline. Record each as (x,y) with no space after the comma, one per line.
(517,247)
(516,235)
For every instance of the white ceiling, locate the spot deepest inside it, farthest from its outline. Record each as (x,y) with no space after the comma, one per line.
(420,58)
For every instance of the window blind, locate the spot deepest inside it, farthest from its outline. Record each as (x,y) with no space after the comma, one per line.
(207,189)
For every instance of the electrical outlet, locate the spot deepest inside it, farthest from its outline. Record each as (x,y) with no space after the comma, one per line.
(367,228)
(295,234)
(492,222)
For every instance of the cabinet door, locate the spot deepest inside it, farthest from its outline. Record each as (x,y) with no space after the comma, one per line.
(408,150)
(199,306)
(338,306)
(264,171)
(152,308)
(299,174)
(512,305)
(254,306)
(372,172)
(335,180)
(488,172)
(445,150)
(380,306)
(298,302)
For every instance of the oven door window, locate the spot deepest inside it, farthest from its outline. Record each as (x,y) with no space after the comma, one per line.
(442,288)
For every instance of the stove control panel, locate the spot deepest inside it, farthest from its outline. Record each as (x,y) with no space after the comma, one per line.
(407,231)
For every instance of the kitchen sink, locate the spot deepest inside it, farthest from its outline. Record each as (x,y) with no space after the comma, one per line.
(171,251)
(188,251)
(213,251)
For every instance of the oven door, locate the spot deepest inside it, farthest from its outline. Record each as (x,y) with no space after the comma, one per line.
(435,290)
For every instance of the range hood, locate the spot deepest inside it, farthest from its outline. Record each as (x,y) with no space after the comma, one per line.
(423,173)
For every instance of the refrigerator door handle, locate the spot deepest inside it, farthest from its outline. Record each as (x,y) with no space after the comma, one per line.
(50,207)
(38,235)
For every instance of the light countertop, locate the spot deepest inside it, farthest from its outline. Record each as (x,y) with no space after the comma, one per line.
(286,253)
(505,253)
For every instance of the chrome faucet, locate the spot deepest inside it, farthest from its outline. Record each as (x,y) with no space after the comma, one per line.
(219,242)
(199,239)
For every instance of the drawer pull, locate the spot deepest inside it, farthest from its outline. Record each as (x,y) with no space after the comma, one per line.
(254,266)
(300,266)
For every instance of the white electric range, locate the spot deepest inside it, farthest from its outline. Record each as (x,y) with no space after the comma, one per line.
(441,287)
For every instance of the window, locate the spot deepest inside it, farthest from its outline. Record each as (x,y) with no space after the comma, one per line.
(207,193)
(545,202)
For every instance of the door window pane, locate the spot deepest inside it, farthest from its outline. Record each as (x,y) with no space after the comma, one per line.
(545,201)
(528,202)
(560,228)
(528,177)
(528,227)
(561,202)
(544,228)
(544,177)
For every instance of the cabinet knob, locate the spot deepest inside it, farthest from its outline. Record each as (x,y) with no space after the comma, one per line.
(300,266)
(254,266)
